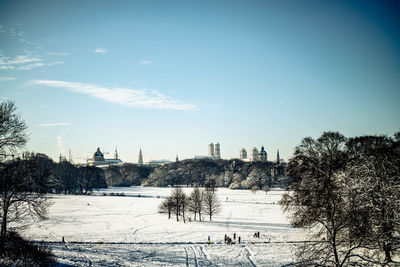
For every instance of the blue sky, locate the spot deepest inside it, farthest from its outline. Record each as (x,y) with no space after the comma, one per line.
(173,76)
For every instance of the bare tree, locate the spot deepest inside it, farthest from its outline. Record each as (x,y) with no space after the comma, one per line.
(167,206)
(12,130)
(19,196)
(196,202)
(212,205)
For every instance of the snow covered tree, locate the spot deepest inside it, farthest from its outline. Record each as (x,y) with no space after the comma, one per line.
(374,170)
(349,195)
(317,200)
(256,180)
(212,205)
(236,181)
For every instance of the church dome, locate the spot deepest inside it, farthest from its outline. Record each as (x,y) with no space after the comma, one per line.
(98,156)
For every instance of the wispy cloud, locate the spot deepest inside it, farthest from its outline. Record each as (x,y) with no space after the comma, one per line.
(31,66)
(17,61)
(55,63)
(7,78)
(146,62)
(140,98)
(20,62)
(57,54)
(100,50)
(24,62)
(54,124)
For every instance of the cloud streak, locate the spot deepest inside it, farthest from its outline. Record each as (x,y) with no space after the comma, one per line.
(139,98)
(145,62)
(21,62)
(7,78)
(57,54)
(100,50)
(54,124)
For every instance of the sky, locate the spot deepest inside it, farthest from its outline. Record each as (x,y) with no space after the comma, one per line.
(170,77)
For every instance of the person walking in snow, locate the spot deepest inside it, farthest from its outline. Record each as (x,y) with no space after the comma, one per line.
(209,240)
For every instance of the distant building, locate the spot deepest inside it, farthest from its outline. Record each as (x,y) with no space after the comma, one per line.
(116,153)
(211,150)
(217,154)
(140,161)
(243,153)
(254,154)
(263,154)
(62,158)
(99,160)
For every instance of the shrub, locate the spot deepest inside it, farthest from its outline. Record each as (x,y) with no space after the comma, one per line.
(15,251)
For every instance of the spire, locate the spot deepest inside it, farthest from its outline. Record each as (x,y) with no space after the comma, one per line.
(278,159)
(140,161)
(116,153)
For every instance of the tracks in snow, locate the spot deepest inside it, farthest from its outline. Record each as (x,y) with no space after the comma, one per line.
(195,256)
(248,257)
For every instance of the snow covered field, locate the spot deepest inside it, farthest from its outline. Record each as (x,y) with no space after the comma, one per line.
(127,230)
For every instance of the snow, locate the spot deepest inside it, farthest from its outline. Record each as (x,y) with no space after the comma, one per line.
(128,231)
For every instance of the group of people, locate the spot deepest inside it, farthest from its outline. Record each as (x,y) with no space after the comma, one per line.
(256,235)
(230,241)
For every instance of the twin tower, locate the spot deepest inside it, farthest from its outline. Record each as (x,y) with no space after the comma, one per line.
(214,151)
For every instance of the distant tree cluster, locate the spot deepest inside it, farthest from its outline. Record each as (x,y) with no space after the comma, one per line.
(67,178)
(127,175)
(347,190)
(234,174)
(200,201)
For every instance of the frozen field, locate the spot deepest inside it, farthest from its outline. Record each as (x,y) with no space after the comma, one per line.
(128,231)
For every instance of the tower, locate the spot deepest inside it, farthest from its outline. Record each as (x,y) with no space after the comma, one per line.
(263,154)
(243,153)
(254,154)
(217,151)
(116,153)
(211,150)
(278,159)
(177,159)
(140,161)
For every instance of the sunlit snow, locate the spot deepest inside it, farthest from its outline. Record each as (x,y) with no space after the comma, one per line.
(128,231)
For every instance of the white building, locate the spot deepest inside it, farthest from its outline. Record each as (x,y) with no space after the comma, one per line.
(217,154)
(243,153)
(211,150)
(99,160)
(254,154)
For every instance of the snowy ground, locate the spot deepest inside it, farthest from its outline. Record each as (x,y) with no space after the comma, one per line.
(127,230)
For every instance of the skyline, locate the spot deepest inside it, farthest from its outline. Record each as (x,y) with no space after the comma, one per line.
(170,77)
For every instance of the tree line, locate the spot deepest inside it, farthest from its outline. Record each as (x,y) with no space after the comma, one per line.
(235,174)
(200,201)
(347,191)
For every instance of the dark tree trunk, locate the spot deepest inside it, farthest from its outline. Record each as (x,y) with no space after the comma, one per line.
(387,249)
(4,222)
